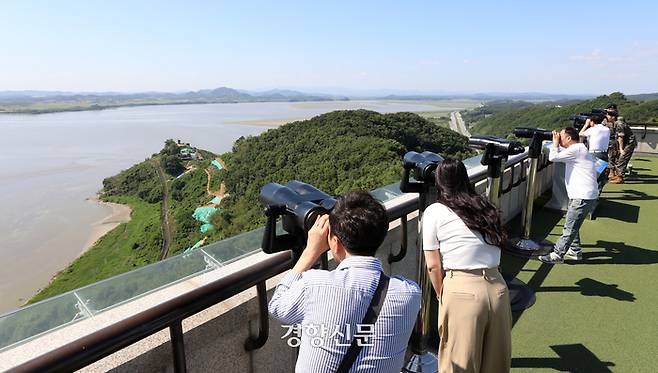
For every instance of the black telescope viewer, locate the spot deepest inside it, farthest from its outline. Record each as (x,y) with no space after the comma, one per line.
(498,146)
(298,204)
(423,166)
(580,118)
(537,135)
(530,132)
(524,245)
(496,151)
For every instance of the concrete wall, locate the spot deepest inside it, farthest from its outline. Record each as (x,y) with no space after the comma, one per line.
(648,144)
(214,338)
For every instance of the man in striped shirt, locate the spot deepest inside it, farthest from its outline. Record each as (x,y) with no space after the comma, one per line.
(329,306)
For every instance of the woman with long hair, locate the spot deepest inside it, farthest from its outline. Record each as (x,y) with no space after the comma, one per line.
(462,235)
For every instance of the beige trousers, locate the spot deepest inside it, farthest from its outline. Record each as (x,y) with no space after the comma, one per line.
(475,322)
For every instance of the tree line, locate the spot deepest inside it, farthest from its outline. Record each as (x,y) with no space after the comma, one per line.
(337,152)
(500,118)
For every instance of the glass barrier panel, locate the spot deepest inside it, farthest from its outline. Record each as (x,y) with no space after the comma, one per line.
(40,317)
(118,289)
(236,247)
(472,161)
(387,193)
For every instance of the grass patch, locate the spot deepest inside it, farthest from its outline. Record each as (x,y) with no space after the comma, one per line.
(596,315)
(439,118)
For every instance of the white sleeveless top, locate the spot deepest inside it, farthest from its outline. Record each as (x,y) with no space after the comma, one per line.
(460,247)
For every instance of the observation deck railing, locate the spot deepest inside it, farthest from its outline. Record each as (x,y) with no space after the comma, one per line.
(204,277)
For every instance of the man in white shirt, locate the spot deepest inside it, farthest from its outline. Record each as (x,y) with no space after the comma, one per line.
(582,189)
(329,306)
(598,137)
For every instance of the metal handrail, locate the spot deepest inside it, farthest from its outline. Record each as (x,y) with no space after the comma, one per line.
(169,314)
(645,125)
(393,258)
(103,342)
(510,185)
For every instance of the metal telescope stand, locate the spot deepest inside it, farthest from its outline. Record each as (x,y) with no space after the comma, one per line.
(521,296)
(422,360)
(524,246)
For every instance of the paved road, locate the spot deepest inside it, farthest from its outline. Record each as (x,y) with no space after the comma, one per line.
(457,124)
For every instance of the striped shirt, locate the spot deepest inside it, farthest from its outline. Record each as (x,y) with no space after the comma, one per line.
(329,304)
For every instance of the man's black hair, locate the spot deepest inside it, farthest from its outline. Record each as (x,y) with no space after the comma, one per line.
(612,106)
(360,222)
(572,132)
(597,119)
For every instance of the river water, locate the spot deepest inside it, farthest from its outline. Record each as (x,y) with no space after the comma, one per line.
(50,164)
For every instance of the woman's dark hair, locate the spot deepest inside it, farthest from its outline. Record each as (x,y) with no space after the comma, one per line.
(359,222)
(456,192)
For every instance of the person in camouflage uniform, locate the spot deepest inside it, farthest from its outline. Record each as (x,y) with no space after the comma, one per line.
(613,147)
(621,146)
(626,142)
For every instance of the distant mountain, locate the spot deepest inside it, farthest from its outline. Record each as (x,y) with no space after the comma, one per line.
(221,92)
(524,96)
(217,93)
(33,94)
(285,92)
(643,97)
(226,94)
(35,102)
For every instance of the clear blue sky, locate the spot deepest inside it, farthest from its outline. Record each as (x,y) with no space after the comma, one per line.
(455,46)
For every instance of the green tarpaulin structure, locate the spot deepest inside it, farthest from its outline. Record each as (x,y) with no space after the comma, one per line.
(203,214)
(196,246)
(217,164)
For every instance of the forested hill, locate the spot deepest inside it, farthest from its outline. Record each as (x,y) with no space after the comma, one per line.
(337,152)
(497,119)
(163,193)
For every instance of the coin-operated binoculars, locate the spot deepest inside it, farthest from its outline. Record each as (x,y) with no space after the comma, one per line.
(422,166)
(298,205)
(496,152)
(524,245)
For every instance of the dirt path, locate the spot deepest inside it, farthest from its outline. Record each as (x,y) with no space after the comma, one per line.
(222,188)
(164,211)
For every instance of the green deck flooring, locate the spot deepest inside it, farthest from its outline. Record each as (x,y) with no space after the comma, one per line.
(599,314)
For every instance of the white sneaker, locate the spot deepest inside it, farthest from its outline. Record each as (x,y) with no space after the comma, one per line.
(551,258)
(574,254)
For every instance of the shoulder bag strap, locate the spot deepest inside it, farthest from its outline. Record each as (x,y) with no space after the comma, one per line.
(369,319)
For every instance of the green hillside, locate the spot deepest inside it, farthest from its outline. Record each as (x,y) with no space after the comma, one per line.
(142,240)
(502,119)
(337,152)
